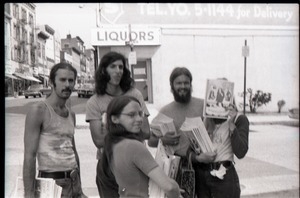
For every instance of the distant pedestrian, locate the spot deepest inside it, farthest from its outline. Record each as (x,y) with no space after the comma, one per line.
(112,79)
(49,137)
(126,157)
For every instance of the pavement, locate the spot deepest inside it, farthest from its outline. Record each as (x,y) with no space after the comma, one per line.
(265,172)
(276,180)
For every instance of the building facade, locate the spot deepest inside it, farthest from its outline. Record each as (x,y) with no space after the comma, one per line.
(208,39)
(32,49)
(20,47)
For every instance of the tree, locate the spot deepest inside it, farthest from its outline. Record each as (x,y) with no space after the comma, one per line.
(256,100)
(280,104)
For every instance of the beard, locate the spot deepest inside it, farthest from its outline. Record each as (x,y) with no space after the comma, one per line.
(182,98)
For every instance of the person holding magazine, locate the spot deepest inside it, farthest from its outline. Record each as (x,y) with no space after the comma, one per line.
(125,157)
(218,178)
(184,106)
(49,137)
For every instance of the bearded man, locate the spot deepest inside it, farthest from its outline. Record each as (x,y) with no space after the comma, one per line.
(184,105)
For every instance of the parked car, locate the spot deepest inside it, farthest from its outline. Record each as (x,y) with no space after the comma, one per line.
(36,90)
(86,90)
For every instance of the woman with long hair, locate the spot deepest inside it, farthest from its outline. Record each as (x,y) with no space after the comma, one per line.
(125,156)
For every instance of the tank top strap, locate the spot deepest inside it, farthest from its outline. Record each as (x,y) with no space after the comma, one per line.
(53,113)
(50,109)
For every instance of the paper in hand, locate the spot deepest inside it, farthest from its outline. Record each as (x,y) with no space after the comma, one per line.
(163,124)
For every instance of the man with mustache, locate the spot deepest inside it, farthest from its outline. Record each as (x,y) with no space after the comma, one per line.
(49,137)
(184,106)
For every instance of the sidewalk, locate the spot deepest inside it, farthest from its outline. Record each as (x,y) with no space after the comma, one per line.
(255,119)
(261,184)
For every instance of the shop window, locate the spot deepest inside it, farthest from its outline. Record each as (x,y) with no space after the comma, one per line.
(16,11)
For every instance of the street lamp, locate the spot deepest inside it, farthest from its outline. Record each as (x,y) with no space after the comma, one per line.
(97,9)
(98,19)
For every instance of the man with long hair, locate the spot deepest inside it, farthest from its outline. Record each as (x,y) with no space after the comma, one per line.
(112,79)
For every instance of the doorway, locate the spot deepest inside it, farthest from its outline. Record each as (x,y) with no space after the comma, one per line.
(141,73)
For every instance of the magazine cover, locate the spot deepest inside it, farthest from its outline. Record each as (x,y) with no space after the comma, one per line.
(219,94)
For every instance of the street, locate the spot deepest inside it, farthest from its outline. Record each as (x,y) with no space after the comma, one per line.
(271,164)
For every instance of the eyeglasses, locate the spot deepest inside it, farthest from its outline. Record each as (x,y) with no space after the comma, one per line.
(134,114)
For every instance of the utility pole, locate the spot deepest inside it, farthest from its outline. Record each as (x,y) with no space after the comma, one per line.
(245,53)
(132,54)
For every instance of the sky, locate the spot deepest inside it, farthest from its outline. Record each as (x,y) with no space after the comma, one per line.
(76,19)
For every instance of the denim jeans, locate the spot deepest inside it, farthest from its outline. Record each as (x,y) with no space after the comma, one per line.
(208,186)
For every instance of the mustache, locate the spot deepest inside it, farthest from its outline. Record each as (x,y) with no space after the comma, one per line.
(67,89)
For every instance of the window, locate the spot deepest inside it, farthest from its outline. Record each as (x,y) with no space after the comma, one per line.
(16,11)
(19,52)
(25,57)
(32,56)
(31,38)
(15,31)
(24,15)
(31,20)
(24,35)
(39,50)
(66,45)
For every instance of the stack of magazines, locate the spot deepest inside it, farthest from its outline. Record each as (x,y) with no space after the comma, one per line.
(164,155)
(162,124)
(44,187)
(195,130)
(169,164)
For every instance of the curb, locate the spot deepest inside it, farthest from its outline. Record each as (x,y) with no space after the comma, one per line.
(292,193)
(287,123)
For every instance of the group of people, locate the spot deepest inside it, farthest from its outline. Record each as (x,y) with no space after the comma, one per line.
(119,126)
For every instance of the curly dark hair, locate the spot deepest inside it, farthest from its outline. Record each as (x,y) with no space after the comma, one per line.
(102,77)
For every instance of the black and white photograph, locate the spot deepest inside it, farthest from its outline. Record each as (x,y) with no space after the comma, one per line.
(87,83)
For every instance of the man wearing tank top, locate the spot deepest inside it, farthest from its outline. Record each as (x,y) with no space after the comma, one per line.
(49,137)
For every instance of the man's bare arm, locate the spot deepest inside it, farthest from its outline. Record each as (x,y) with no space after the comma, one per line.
(33,124)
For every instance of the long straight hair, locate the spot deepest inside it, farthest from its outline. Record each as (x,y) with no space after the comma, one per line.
(116,133)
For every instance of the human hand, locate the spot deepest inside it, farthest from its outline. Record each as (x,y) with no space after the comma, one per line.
(232,112)
(206,157)
(231,117)
(170,138)
(156,132)
(182,191)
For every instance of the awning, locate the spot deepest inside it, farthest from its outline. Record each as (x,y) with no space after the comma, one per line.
(31,78)
(43,76)
(11,76)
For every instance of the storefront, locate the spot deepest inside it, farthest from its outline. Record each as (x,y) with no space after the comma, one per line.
(10,81)
(207,39)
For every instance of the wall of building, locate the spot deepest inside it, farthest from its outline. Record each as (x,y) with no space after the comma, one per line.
(208,39)
(272,65)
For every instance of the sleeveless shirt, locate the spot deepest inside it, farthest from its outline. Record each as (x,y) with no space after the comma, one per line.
(55,150)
